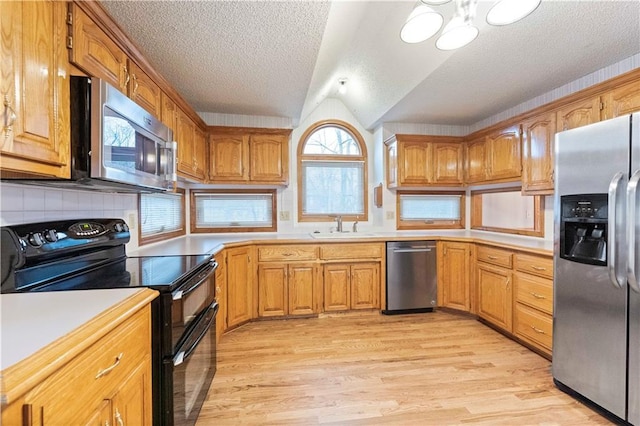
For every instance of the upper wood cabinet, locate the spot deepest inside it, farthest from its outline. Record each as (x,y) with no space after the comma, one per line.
(34,89)
(578,114)
(192,148)
(248,155)
(475,160)
(538,135)
(622,100)
(93,51)
(503,154)
(417,160)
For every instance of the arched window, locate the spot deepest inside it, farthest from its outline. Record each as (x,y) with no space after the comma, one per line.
(332,173)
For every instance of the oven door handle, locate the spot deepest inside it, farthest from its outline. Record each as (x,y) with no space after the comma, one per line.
(179,294)
(181,356)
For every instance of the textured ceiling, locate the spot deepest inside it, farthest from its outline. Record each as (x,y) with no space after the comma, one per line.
(283,58)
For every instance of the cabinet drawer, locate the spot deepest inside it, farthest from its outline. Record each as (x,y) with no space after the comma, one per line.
(536,265)
(494,255)
(533,326)
(286,253)
(535,292)
(130,342)
(351,251)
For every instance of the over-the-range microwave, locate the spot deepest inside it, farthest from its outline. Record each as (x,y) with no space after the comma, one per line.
(116,145)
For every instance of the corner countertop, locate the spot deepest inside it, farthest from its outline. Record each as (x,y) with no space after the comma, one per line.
(34,325)
(213,243)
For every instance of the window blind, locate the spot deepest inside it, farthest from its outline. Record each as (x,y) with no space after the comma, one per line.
(229,210)
(429,207)
(160,213)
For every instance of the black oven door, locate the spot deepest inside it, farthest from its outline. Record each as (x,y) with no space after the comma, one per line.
(193,365)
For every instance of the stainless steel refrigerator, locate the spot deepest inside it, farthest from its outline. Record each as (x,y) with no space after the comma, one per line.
(596,327)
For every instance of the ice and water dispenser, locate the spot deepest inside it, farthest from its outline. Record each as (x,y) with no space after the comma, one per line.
(583,228)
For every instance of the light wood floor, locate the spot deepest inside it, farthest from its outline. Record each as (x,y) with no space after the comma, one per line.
(428,369)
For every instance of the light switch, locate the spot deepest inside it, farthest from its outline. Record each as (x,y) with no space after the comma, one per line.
(284,215)
(391,215)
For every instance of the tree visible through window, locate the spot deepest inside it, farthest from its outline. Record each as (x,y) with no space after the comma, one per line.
(332,173)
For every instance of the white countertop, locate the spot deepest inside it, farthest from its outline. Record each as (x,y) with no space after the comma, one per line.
(213,243)
(31,321)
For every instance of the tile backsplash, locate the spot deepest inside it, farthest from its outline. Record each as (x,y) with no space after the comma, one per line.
(26,203)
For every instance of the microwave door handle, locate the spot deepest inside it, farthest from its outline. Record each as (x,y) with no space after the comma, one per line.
(613,226)
(181,356)
(171,174)
(632,225)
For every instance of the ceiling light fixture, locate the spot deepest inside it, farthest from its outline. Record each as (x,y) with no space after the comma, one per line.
(342,86)
(424,22)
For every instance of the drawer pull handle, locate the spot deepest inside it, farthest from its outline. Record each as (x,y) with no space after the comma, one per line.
(287,254)
(537,330)
(492,257)
(107,370)
(119,418)
(539,268)
(537,296)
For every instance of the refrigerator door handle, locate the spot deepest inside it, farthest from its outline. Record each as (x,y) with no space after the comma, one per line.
(613,226)
(632,205)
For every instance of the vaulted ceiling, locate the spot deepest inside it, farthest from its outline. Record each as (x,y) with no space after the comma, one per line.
(283,58)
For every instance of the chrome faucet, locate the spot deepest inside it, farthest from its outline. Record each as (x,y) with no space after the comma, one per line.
(339,222)
(355,225)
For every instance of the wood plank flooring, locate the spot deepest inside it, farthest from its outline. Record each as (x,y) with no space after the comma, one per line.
(369,369)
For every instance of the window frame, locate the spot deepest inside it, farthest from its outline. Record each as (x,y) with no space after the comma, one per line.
(421,224)
(363,157)
(538,213)
(274,210)
(142,240)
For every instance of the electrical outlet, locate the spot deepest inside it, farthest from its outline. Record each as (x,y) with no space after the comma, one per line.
(284,215)
(391,215)
(131,221)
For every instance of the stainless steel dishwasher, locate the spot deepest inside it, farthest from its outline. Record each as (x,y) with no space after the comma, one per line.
(411,277)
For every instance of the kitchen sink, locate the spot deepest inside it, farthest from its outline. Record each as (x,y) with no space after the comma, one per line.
(339,235)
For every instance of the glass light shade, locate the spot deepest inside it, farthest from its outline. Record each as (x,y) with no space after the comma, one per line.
(506,12)
(435,2)
(422,23)
(456,34)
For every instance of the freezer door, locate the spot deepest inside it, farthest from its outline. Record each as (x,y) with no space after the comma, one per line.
(590,312)
(633,219)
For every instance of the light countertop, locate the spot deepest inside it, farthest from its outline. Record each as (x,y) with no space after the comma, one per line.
(213,243)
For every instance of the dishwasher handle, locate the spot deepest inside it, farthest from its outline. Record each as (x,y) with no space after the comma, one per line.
(414,250)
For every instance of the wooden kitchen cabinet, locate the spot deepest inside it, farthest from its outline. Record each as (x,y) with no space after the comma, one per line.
(622,100)
(34,89)
(246,155)
(538,136)
(454,275)
(475,160)
(93,51)
(578,114)
(495,287)
(192,148)
(109,377)
(239,285)
(418,160)
(504,155)
(221,294)
(351,286)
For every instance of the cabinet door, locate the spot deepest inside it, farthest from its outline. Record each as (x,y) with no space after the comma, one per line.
(221,294)
(622,100)
(414,163)
(184,135)
(578,114)
(495,301)
(272,287)
(228,157)
(391,148)
(95,53)
(447,163)
(200,150)
(455,276)
(537,157)
(476,162)
(34,88)
(365,283)
(144,91)
(336,287)
(269,158)
(168,112)
(132,403)
(302,289)
(504,154)
(239,281)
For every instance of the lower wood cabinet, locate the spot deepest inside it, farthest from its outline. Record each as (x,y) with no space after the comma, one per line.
(109,382)
(454,275)
(351,286)
(221,294)
(495,295)
(239,285)
(287,289)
